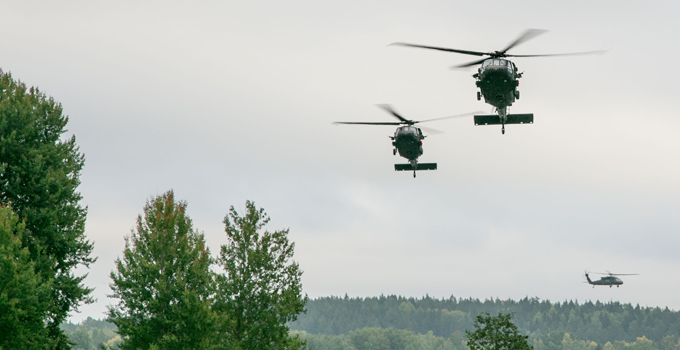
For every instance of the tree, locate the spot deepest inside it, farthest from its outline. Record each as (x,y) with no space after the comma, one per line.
(260,290)
(82,339)
(163,282)
(24,295)
(39,175)
(496,333)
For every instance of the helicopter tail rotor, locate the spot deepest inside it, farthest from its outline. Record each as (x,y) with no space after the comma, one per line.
(587,277)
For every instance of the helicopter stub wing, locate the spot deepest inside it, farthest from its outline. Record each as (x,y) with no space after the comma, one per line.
(419,166)
(493,119)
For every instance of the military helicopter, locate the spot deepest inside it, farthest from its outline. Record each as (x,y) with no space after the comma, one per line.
(408,139)
(498,79)
(609,280)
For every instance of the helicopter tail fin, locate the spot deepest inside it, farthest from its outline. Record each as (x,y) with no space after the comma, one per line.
(419,166)
(588,278)
(493,119)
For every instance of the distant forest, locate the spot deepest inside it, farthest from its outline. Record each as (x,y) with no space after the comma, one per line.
(540,319)
(399,323)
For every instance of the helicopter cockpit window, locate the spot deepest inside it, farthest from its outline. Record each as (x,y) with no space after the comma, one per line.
(486,63)
(496,63)
(503,62)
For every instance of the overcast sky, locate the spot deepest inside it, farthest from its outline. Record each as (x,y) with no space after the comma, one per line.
(225,101)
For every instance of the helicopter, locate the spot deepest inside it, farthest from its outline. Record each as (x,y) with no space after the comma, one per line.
(408,139)
(609,280)
(498,79)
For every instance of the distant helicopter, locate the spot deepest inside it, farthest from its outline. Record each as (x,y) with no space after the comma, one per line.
(498,78)
(609,280)
(408,139)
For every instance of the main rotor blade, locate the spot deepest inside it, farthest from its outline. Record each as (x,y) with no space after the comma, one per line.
(598,52)
(470,64)
(369,123)
(391,111)
(527,35)
(465,52)
(449,117)
(624,274)
(430,130)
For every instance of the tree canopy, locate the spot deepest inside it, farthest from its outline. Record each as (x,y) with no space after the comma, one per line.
(24,295)
(163,282)
(496,333)
(39,176)
(259,291)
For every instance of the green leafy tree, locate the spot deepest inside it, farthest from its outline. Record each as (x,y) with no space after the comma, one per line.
(39,175)
(668,343)
(24,295)
(260,290)
(496,333)
(163,282)
(82,339)
(642,343)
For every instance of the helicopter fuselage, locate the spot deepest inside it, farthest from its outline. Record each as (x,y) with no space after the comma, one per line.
(605,281)
(497,79)
(408,141)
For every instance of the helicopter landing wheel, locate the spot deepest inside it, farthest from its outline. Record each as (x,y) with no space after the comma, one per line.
(394,152)
(479,96)
(414,174)
(503,130)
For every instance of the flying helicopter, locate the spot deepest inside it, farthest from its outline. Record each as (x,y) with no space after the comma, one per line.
(408,139)
(498,79)
(609,280)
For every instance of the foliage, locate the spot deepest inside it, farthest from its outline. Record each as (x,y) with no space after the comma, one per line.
(92,334)
(163,282)
(260,289)
(540,319)
(371,338)
(39,175)
(380,338)
(496,333)
(24,295)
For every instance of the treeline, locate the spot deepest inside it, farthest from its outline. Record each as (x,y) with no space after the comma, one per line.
(91,332)
(371,338)
(597,322)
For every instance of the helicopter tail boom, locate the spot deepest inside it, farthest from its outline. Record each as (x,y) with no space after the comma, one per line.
(493,119)
(419,166)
